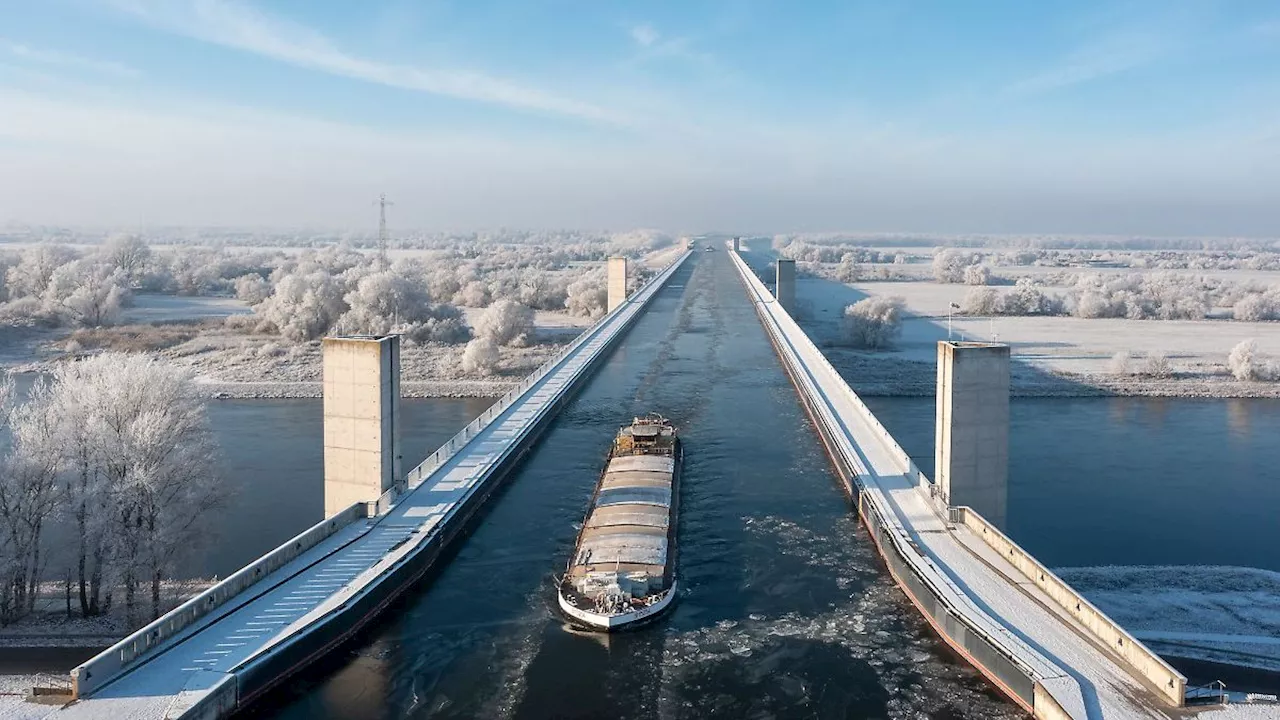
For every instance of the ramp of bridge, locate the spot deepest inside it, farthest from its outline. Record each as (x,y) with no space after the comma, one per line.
(1007,626)
(192,662)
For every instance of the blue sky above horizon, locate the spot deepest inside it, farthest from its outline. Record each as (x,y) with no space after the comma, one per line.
(999,116)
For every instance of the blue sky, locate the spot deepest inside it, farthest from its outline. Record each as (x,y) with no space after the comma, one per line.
(946,116)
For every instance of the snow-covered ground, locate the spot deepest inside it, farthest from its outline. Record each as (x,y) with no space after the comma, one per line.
(1223,614)
(1053,356)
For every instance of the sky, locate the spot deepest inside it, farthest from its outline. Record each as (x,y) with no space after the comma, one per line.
(1153,117)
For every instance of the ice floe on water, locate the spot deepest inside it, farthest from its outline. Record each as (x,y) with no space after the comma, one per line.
(865,653)
(1211,612)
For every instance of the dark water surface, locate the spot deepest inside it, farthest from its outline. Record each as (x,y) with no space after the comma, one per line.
(1131,481)
(784,609)
(272,460)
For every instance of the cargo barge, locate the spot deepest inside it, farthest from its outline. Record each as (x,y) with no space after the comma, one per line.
(622,570)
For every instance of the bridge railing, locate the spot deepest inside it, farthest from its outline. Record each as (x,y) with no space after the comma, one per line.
(1140,660)
(442,455)
(125,654)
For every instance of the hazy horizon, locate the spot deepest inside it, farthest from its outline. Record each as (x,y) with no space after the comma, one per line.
(1061,118)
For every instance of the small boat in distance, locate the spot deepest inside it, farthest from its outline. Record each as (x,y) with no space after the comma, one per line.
(623,567)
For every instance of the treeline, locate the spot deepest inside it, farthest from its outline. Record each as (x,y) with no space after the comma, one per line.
(1033,242)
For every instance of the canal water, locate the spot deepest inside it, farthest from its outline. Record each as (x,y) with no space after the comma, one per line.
(1130,481)
(784,608)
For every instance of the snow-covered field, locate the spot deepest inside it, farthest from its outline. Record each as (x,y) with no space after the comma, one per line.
(1053,356)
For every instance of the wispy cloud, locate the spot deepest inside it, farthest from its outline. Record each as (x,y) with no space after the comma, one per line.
(1111,55)
(644,35)
(652,45)
(240,26)
(54,58)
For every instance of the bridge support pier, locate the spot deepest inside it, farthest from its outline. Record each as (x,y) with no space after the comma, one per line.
(737,244)
(972,436)
(361,419)
(784,288)
(617,282)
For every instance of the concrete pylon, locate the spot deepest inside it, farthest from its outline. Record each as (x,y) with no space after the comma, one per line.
(361,419)
(784,288)
(617,282)
(737,244)
(972,439)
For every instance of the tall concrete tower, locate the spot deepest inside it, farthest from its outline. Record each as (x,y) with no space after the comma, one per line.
(361,419)
(972,440)
(784,288)
(617,282)
(737,244)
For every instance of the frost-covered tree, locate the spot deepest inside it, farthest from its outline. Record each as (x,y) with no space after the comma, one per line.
(977,275)
(506,322)
(874,322)
(35,268)
(303,306)
(86,293)
(588,296)
(139,458)
(848,270)
(1165,296)
(29,495)
(480,357)
(1246,363)
(475,294)
(1258,307)
(1027,299)
(981,301)
(129,253)
(391,301)
(1155,365)
(949,265)
(252,288)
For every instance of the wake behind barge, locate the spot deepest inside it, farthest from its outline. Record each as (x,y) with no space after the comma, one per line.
(623,566)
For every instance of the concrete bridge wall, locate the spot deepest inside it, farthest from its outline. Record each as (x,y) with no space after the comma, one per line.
(204,608)
(1139,659)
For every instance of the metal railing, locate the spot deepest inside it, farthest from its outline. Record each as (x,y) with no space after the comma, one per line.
(442,455)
